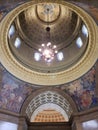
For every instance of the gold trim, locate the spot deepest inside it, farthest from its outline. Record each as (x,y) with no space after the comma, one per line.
(74,72)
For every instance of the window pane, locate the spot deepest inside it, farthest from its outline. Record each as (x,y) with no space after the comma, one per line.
(37,56)
(84,30)
(8,126)
(79,42)
(60,56)
(90,125)
(11,31)
(17,42)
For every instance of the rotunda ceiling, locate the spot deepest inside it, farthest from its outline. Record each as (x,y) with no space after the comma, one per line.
(73,31)
(48,41)
(31,31)
(33,22)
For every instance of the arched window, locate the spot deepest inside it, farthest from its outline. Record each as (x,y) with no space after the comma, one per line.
(79,42)
(17,42)
(60,56)
(84,30)
(37,56)
(11,31)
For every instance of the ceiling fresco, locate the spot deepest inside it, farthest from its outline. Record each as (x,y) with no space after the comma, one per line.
(90,8)
(83,91)
(13,92)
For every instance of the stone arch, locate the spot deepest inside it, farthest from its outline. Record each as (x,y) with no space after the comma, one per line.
(56,96)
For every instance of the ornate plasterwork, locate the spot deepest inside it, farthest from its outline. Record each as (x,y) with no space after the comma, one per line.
(45,110)
(48,12)
(49,115)
(74,72)
(48,100)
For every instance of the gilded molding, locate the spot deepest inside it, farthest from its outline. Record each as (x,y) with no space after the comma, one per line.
(25,74)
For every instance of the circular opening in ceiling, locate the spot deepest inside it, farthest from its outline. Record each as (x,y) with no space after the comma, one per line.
(70,41)
(48,47)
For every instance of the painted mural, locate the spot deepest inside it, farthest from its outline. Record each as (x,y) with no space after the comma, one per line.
(7,6)
(82,91)
(92,10)
(13,91)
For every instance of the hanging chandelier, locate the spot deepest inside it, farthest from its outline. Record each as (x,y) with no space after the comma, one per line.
(48,51)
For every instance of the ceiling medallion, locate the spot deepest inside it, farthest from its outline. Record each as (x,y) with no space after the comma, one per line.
(53,12)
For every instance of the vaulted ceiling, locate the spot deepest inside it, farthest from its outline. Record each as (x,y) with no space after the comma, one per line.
(24,93)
